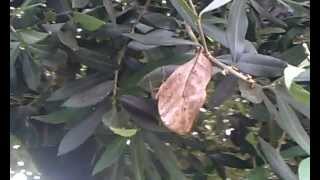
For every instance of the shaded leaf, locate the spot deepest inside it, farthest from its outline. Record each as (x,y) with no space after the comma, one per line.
(153,79)
(79,3)
(160,21)
(88,22)
(162,40)
(276,162)
(214,5)
(251,94)
(294,55)
(225,89)
(304,169)
(53,27)
(185,12)
(271,30)
(215,33)
(137,155)
(231,161)
(165,156)
(31,72)
(31,36)
(63,115)
(289,122)
(68,39)
(237,28)
(76,86)
(258,173)
(266,14)
(109,8)
(112,153)
(80,133)
(261,65)
(140,46)
(292,152)
(300,94)
(182,95)
(90,96)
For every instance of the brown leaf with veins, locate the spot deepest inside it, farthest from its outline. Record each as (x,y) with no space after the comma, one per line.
(184,92)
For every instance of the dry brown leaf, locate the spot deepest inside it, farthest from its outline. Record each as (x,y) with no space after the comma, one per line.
(182,95)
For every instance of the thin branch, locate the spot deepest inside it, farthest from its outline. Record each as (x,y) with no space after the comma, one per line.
(191,33)
(281,141)
(231,70)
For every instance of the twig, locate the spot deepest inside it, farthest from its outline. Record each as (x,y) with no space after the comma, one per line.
(231,70)
(191,33)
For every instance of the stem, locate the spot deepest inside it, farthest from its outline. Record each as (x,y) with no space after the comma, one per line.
(231,70)
(191,33)
(281,141)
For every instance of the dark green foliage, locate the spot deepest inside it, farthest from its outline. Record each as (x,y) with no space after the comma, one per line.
(89,69)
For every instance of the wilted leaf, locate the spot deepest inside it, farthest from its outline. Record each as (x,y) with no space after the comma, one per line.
(68,38)
(237,28)
(112,153)
(278,165)
(63,115)
(80,133)
(32,37)
(214,5)
(71,88)
(304,169)
(158,39)
(261,65)
(182,95)
(88,22)
(90,96)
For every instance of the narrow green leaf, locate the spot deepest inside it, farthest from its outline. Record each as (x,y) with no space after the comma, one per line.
(31,72)
(80,133)
(90,96)
(304,169)
(112,153)
(276,162)
(300,94)
(123,131)
(137,156)
(166,157)
(258,173)
(214,5)
(289,122)
(161,40)
(88,22)
(32,36)
(63,115)
(68,39)
(79,3)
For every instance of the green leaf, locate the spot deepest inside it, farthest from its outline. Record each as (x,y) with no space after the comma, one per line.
(31,72)
(289,122)
(292,152)
(271,30)
(214,5)
(166,157)
(68,39)
(90,96)
(112,153)
(63,115)
(32,36)
(123,131)
(185,12)
(304,169)
(76,86)
(300,94)
(278,165)
(80,133)
(237,28)
(79,3)
(88,22)
(137,156)
(258,173)
(158,39)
